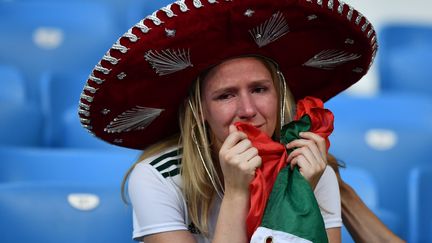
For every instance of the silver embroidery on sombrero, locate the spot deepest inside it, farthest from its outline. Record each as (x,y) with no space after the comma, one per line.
(168,61)
(329,59)
(137,118)
(341,7)
(121,75)
(84,106)
(90,89)
(86,97)
(330,4)
(101,69)
(84,112)
(271,30)
(249,12)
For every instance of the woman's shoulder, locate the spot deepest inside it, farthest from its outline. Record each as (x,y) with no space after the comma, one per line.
(162,165)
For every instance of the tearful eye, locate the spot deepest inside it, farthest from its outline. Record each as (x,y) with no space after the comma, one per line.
(224,96)
(260,89)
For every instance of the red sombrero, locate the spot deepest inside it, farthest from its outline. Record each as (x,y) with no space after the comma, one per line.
(132,97)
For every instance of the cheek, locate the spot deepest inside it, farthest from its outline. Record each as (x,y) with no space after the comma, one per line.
(219,117)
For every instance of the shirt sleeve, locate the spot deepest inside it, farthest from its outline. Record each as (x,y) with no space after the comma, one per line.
(328,197)
(157,205)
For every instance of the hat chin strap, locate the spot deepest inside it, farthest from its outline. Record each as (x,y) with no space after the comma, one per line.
(282,92)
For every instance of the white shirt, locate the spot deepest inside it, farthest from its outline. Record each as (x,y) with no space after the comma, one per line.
(159,205)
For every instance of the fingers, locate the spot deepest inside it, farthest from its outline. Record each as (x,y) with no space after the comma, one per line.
(320,141)
(233,138)
(310,155)
(306,147)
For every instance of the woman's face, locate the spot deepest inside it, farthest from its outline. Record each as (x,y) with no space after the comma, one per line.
(239,90)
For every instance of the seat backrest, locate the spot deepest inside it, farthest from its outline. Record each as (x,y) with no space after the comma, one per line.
(385,135)
(404,58)
(420,201)
(21,124)
(63,212)
(12,83)
(65,165)
(363,183)
(55,36)
(60,92)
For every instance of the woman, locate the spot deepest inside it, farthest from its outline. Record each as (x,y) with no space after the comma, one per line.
(240,89)
(199,192)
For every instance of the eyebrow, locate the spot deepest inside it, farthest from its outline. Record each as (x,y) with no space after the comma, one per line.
(232,89)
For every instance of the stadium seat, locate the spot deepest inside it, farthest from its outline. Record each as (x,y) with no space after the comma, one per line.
(65,165)
(420,201)
(63,212)
(12,83)
(363,183)
(54,36)
(365,186)
(21,124)
(385,135)
(404,58)
(60,92)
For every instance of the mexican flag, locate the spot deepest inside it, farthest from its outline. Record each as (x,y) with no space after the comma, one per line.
(283,207)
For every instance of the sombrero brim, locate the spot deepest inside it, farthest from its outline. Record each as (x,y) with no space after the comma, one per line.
(132,97)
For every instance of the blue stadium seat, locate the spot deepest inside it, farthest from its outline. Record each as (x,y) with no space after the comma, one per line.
(420,201)
(12,83)
(65,165)
(385,135)
(63,212)
(139,9)
(54,36)
(365,186)
(21,124)
(404,58)
(363,183)
(59,92)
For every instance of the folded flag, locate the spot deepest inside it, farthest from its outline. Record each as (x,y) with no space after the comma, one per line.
(283,207)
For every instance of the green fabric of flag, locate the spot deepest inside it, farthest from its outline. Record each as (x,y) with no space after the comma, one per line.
(292,207)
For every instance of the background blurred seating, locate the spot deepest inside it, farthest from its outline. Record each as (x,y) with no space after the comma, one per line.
(65,165)
(12,83)
(420,201)
(63,212)
(21,124)
(405,57)
(365,186)
(54,36)
(385,135)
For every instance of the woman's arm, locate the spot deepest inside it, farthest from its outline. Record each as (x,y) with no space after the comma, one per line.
(334,235)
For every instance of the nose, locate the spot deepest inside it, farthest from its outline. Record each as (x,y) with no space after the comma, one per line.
(246,108)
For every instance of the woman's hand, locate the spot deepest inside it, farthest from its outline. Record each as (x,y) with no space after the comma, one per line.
(310,154)
(238,160)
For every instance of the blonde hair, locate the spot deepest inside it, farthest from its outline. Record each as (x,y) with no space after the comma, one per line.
(200,175)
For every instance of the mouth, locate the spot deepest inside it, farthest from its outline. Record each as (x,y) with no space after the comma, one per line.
(258,126)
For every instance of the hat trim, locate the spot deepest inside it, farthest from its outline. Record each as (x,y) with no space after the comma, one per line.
(96,78)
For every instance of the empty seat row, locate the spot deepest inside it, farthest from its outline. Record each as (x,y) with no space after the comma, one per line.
(63,212)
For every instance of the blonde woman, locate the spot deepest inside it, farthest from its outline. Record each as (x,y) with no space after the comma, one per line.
(176,83)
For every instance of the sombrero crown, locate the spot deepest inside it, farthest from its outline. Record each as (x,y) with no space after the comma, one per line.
(132,97)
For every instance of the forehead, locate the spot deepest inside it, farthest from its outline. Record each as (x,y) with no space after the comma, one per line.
(238,69)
